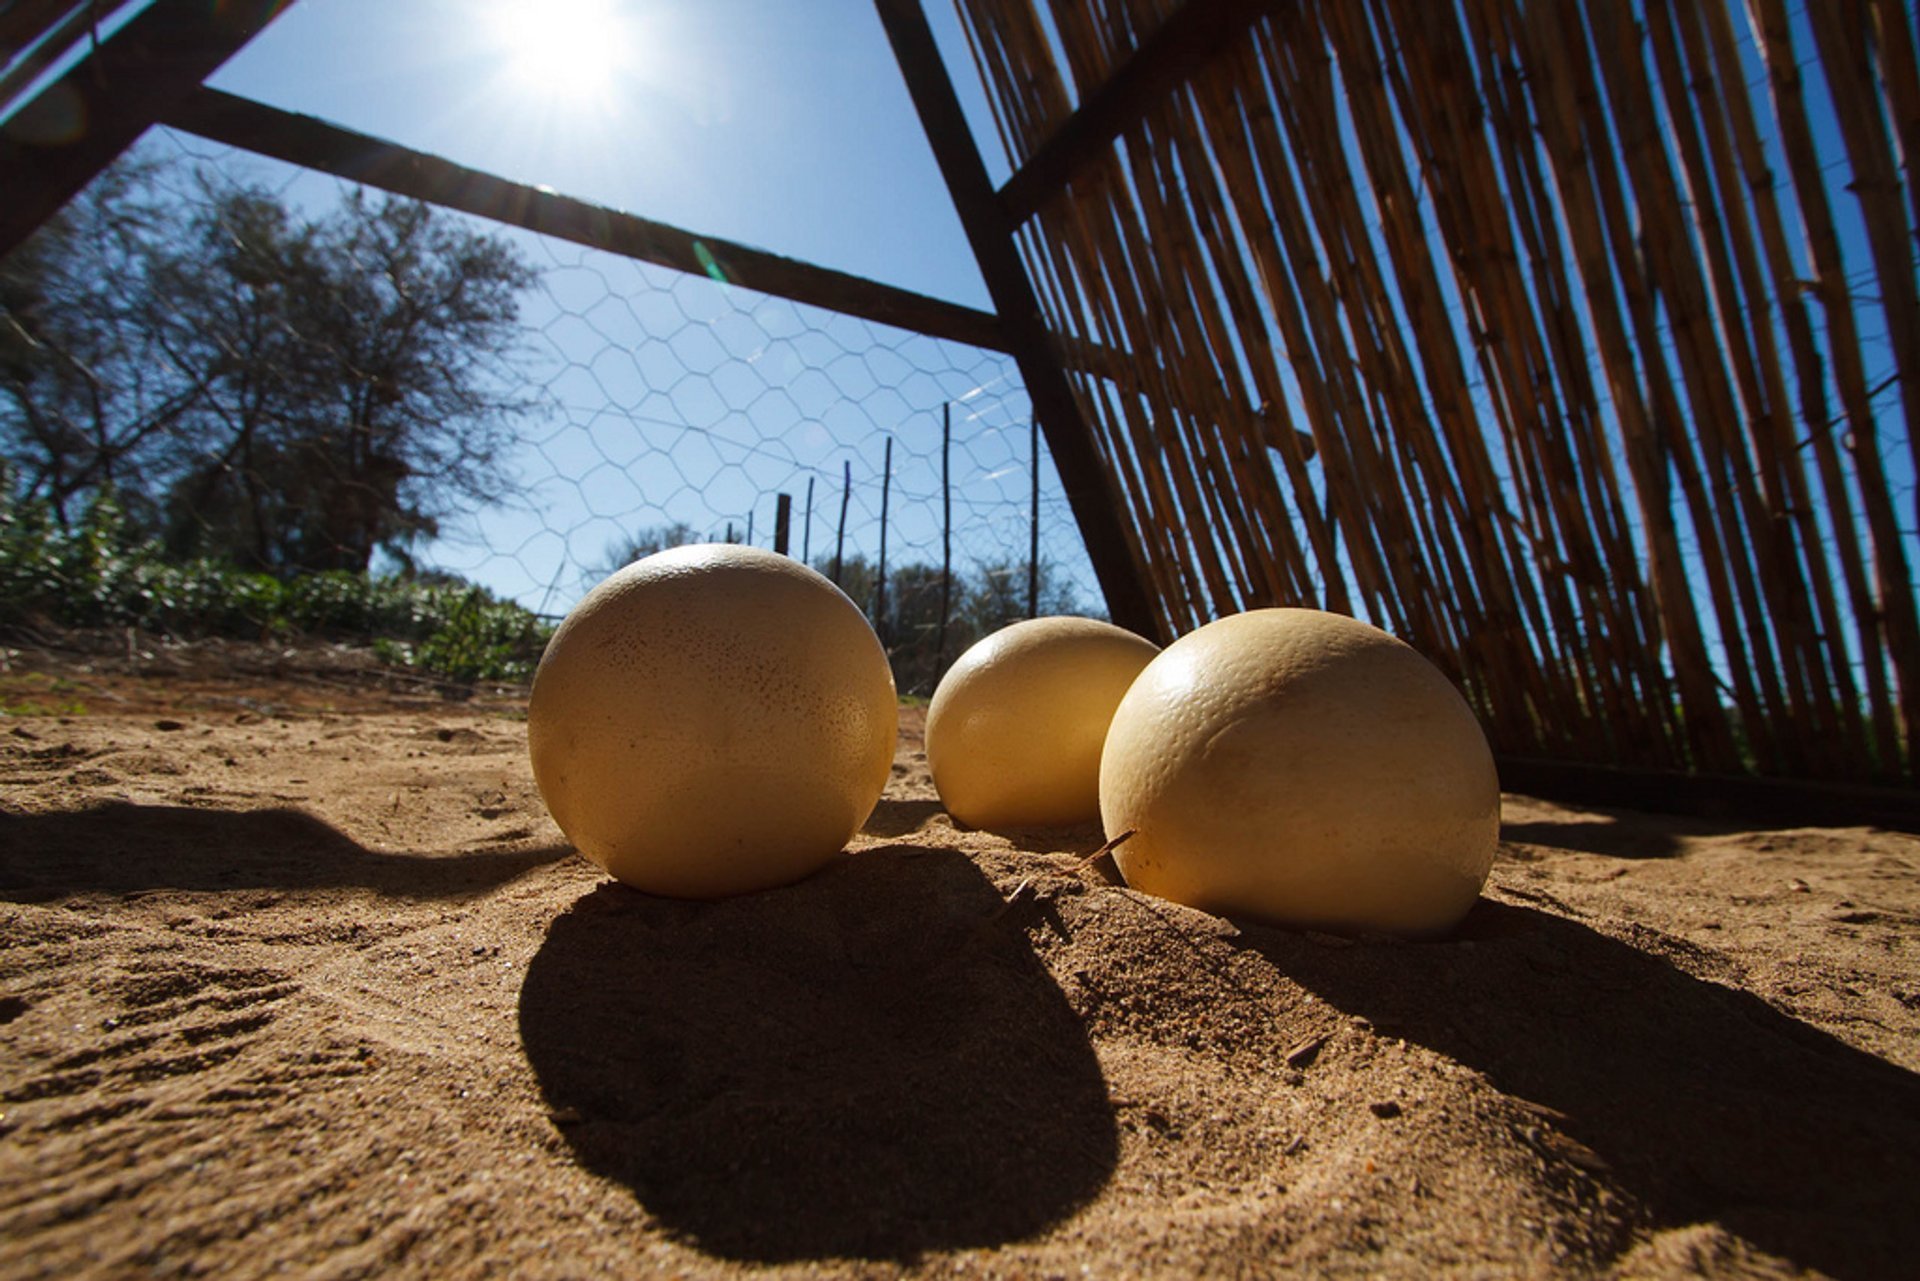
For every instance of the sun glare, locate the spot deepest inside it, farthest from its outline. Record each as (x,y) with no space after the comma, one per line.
(563,50)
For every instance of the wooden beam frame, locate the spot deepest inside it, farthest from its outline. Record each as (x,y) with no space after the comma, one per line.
(1185,42)
(1083,473)
(36,34)
(75,128)
(316,144)
(25,23)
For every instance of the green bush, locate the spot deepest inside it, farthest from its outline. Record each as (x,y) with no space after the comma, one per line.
(100,572)
(480,639)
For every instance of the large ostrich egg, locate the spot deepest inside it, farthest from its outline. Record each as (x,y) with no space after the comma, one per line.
(1304,769)
(1015,727)
(712,720)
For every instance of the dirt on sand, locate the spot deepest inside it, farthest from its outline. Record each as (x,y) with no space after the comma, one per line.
(297,976)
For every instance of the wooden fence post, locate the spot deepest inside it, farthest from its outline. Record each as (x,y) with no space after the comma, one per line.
(840,539)
(880,575)
(946,532)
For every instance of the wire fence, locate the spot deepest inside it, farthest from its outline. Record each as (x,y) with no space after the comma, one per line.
(683,409)
(657,407)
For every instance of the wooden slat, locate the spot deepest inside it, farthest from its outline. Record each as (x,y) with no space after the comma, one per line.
(1591,424)
(34,37)
(25,22)
(1895,614)
(110,98)
(1185,42)
(1729,798)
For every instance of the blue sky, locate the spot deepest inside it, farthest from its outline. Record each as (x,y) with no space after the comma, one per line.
(782,124)
(778,124)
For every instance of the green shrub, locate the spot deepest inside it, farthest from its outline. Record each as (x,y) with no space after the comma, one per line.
(479,639)
(100,572)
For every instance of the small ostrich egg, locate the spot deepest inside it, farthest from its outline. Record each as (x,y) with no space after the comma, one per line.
(712,720)
(1305,769)
(1015,726)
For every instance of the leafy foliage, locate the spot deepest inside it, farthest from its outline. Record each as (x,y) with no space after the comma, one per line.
(98,571)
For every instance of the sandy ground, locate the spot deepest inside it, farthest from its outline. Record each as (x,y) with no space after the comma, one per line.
(297,977)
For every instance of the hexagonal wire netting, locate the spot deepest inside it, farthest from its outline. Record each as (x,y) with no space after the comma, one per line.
(673,407)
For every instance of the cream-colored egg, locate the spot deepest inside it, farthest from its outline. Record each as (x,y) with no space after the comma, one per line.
(1305,769)
(1016,725)
(712,720)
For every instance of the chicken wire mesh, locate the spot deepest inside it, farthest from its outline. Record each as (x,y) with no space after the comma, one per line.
(662,407)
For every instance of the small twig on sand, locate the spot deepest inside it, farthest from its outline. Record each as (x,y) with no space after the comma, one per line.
(1019,892)
(1025,886)
(1303,1052)
(1105,851)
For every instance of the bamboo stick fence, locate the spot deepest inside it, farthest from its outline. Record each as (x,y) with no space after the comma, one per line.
(1525,329)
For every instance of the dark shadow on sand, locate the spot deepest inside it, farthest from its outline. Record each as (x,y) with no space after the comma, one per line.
(122,848)
(898,818)
(1622,835)
(1708,1103)
(868,1064)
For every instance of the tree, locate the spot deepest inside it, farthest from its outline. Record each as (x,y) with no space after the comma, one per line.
(999,595)
(858,578)
(977,605)
(294,391)
(85,393)
(912,628)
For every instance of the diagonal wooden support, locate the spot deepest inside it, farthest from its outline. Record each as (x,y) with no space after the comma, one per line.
(1075,455)
(317,144)
(78,125)
(1185,42)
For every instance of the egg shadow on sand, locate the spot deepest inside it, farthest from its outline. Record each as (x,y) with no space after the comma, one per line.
(1701,1101)
(868,1064)
(118,847)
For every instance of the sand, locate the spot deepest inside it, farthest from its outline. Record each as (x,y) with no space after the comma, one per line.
(297,977)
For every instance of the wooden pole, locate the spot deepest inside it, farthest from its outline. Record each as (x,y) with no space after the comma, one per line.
(946,533)
(880,574)
(782,521)
(806,527)
(840,537)
(119,91)
(1189,37)
(1083,472)
(1033,520)
(316,144)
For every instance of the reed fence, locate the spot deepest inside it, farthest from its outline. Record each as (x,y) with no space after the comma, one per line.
(1577,343)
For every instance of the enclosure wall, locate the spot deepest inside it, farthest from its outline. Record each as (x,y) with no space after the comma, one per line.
(1574,343)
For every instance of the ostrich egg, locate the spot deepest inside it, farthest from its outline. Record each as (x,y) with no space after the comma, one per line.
(712,720)
(1304,769)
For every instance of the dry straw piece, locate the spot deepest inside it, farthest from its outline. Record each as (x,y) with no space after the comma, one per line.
(1541,333)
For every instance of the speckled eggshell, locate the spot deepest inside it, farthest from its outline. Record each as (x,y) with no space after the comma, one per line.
(1015,727)
(1304,769)
(712,720)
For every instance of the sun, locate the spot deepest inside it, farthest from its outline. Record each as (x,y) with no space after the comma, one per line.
(566,51)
